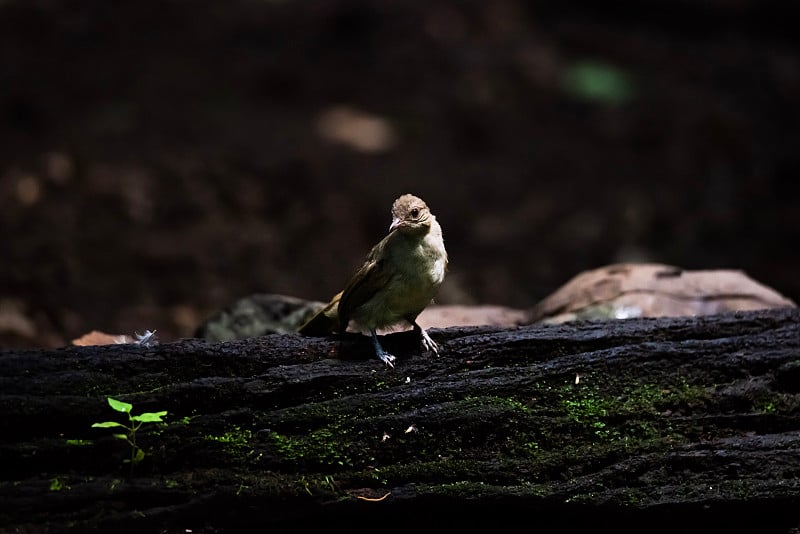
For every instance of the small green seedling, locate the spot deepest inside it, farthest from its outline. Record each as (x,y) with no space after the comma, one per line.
(136,421)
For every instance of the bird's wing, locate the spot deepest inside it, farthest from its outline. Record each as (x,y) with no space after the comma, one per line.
(324,321)
(368,280)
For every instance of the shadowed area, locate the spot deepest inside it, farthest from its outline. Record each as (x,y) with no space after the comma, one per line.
(156,165)
(671,423)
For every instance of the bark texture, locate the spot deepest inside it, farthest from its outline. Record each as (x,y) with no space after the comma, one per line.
(656,424)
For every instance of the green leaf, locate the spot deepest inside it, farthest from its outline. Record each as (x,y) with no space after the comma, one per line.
(149,417)
(139,456)
(123,437)
(107,424)
(119,405)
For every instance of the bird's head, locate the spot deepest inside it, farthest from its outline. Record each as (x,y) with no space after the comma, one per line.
(410,215)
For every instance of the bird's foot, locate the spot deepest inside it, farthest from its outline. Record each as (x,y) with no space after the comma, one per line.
(428,343)
(386,358)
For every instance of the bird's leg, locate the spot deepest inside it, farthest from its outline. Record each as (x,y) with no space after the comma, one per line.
(385,357)
(427,342)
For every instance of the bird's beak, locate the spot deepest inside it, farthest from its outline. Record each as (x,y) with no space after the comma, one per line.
(395,224)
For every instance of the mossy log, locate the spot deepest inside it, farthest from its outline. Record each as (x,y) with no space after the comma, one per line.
(641,424)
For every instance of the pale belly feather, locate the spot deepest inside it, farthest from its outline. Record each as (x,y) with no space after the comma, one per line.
(408,292)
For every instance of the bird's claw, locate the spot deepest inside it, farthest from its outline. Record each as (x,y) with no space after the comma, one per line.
(428,343)
(387,358)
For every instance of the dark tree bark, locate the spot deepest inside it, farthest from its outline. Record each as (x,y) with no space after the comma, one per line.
(657,425)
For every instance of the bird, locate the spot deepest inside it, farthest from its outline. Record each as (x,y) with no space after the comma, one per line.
(400,276)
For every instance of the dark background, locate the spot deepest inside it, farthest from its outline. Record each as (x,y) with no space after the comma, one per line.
(159,160)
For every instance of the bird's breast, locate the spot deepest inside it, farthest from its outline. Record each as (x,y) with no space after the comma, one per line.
(421,272)
(438,270)
(417,269)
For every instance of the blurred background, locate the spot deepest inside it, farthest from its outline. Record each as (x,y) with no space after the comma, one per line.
(159,161)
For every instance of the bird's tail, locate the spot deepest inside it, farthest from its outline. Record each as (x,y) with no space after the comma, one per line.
(324,321)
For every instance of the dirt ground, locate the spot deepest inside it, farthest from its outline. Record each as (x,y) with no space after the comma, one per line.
(159,162)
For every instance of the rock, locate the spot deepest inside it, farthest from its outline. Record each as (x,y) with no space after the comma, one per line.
(258,315)
(263,314)
(618,291)
(628,290)
(443,316)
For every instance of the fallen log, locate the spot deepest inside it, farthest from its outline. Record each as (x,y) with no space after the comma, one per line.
(657,424)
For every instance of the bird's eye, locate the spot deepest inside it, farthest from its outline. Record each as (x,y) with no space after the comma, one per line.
(415,213)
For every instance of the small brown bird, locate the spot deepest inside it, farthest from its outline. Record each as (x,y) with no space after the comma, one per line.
(399,278)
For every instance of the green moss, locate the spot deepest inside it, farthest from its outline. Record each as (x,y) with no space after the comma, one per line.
(587,409)
(591,406)
(237,437)
(329,445)
(741,489)
(472,402)
(235,443)
(58,484)
(335,433)
(469,489)
(316,485)
(79,442)
(775,403)
(459,489)
(185,420)
(441,469)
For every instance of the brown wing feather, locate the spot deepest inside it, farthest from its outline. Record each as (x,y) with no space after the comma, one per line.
(367,281)
(324,321)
